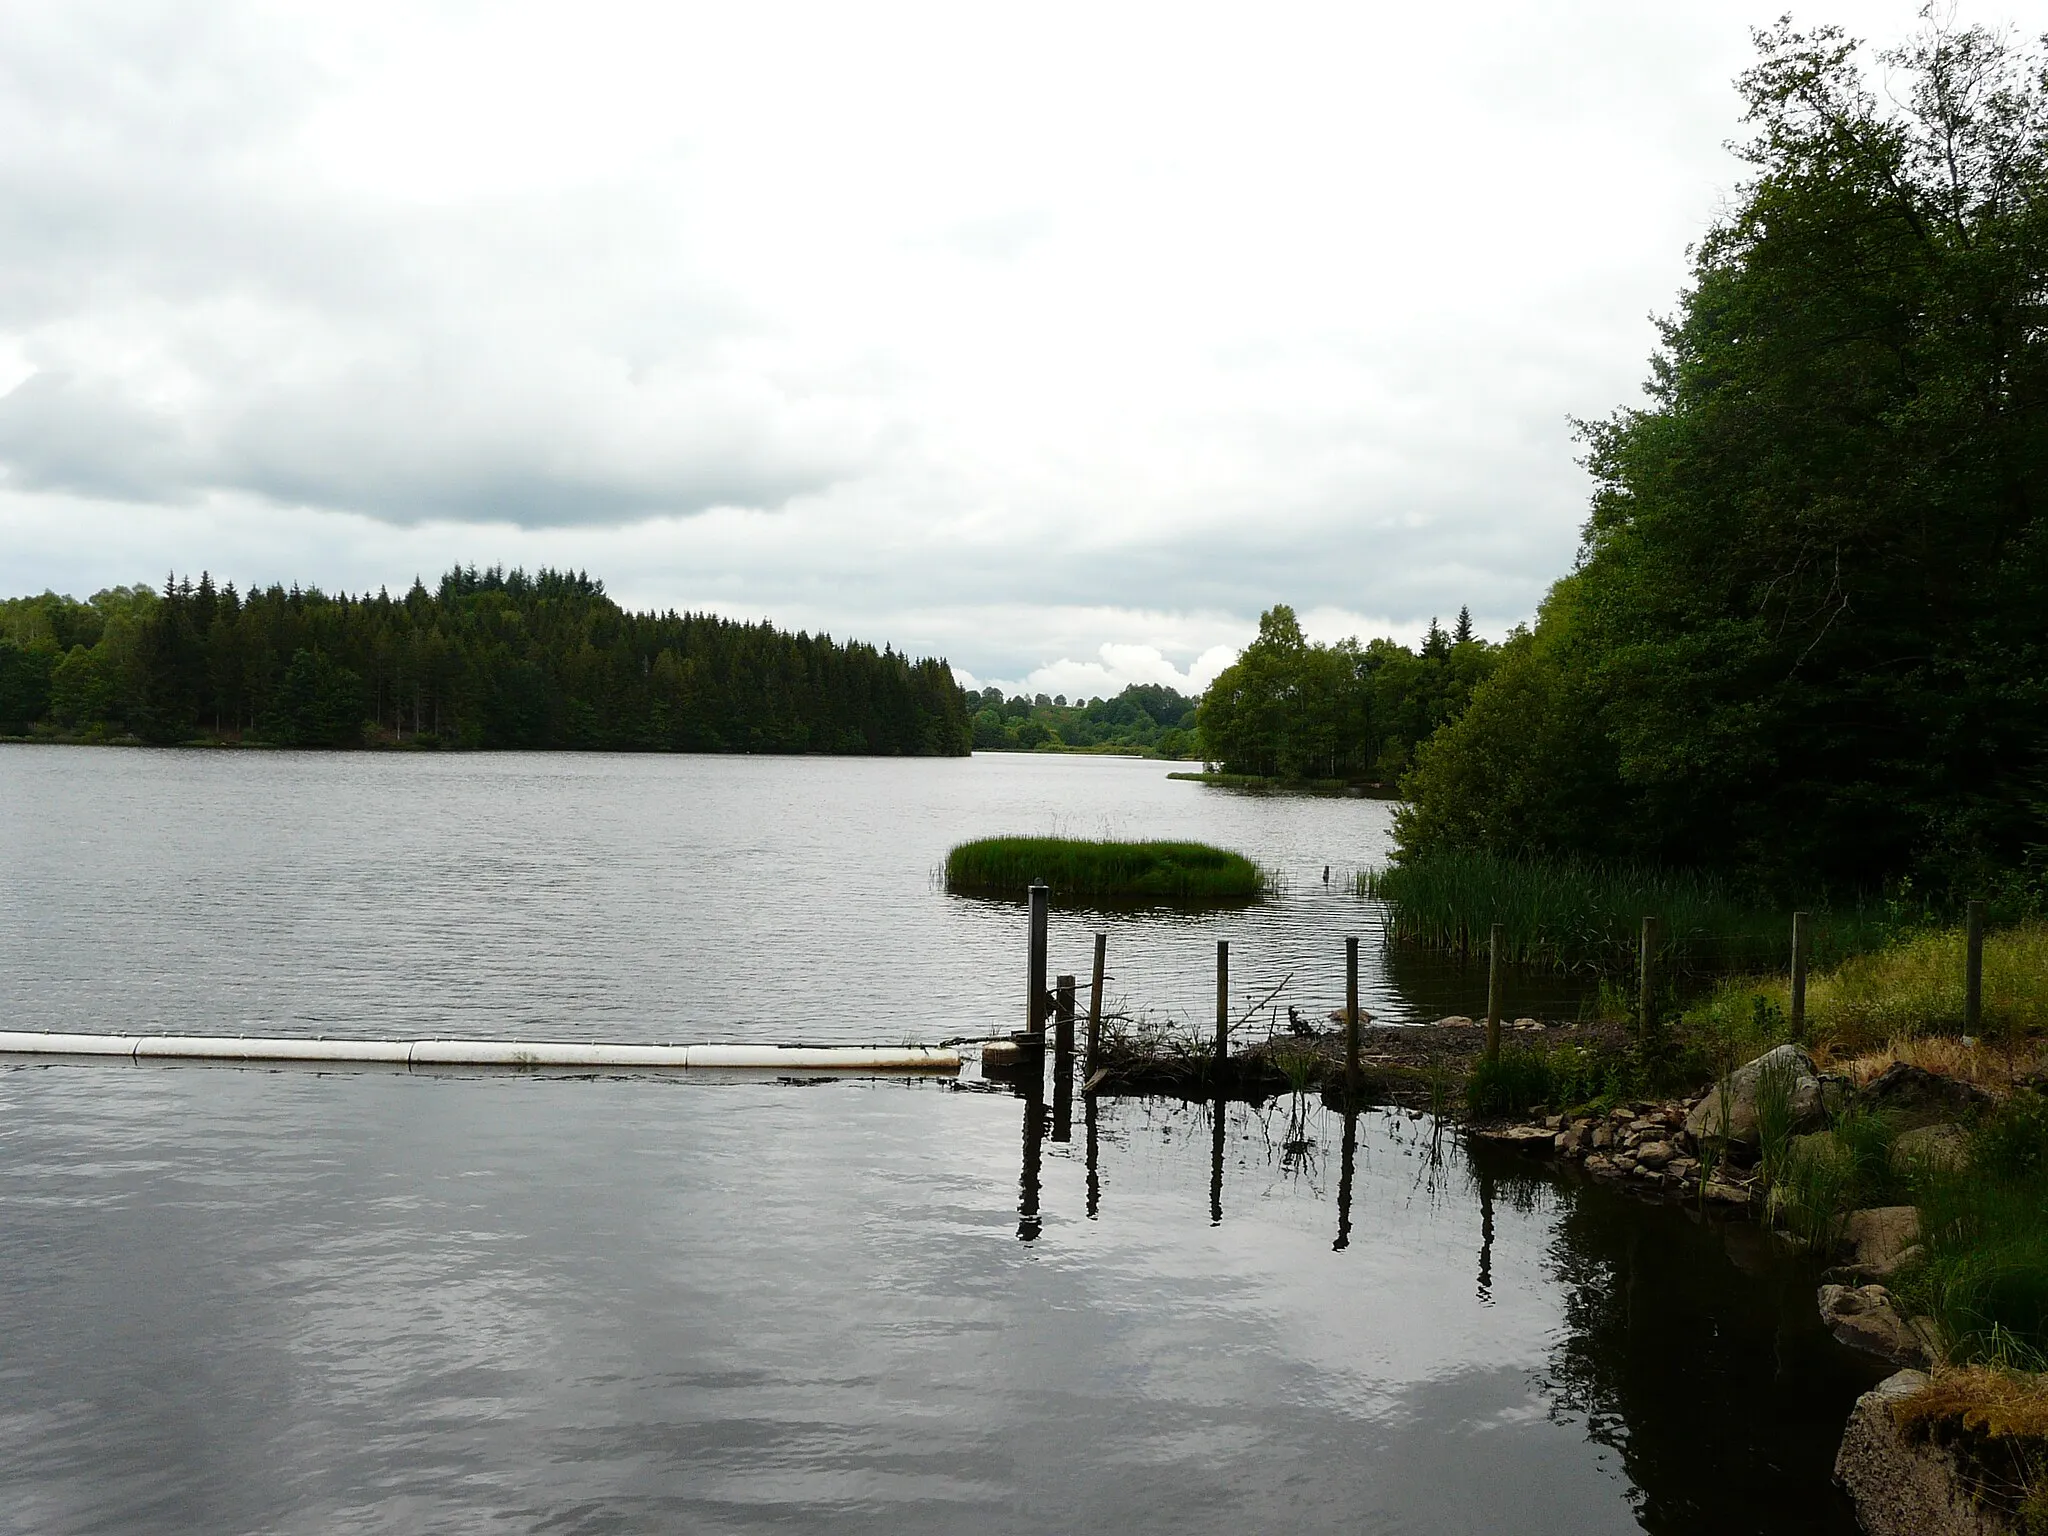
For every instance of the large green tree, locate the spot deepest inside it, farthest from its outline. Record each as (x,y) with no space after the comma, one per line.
(1808,629)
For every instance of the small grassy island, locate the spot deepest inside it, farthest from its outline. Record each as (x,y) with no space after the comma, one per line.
(1072,866)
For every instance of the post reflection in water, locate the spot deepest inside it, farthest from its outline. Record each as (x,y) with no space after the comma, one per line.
(1645,1340)
(1216,1166)
(1346,1169)
(1033,1085)
(1485,1178)
(1094,1179)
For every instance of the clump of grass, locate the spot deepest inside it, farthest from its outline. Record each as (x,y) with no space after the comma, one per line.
(1586,915)
(1818,1180)
(1082,867)
(1526,1076)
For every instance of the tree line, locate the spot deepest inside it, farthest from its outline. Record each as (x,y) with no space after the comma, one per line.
(490,659)
(1290,709)
(1145,717)
(1806,637)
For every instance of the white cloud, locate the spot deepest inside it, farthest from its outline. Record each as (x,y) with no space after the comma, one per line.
(1061,345)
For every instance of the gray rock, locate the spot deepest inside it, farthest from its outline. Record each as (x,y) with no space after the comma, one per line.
(1932,1146)
(1882,1239)
(1912,1096)
(1808,1112)
(1603,1137)
(1865,1317)
(1656,1154)
(1525,1136)
(1901,1488)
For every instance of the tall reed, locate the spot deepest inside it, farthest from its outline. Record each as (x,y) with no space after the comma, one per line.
(1580,914)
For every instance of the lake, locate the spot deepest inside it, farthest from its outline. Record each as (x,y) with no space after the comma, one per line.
(293,1300)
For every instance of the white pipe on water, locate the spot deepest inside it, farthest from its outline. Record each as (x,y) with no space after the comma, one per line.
(491,1053)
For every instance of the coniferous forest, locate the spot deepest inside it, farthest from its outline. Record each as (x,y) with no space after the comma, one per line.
(491,659)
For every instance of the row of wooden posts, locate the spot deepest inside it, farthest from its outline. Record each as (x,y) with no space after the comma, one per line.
(1061,998)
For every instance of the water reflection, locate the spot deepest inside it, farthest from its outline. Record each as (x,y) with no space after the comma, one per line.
(1346,1168)
(1681,1347)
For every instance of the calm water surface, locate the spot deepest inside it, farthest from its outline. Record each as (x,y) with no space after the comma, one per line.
(250,1300)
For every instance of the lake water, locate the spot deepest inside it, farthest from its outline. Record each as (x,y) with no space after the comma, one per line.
(255,1300)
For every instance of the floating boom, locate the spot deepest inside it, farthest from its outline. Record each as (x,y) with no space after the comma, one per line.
(485,1053)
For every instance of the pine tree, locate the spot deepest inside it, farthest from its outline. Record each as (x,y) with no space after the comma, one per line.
(1462,633)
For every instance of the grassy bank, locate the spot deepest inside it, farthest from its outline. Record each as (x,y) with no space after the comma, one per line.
(1582,914)
(1910,988)
(1103,870)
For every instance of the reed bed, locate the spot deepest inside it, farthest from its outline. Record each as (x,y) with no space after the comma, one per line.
(1101,870)
(1585,915)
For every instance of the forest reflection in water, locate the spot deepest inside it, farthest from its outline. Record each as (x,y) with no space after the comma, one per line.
(1689,1344)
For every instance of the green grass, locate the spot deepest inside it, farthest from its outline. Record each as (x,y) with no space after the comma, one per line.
(1584,915)
(1078,867)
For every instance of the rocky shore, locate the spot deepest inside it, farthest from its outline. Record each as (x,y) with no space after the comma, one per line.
(1905,1479)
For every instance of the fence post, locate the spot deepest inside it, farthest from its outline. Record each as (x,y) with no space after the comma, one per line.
(1973,970)
(1034,1004)
(1351,1084)
(1095,1003)
(1222,1005)
(1798,975)
(1647,998)
(1493,994)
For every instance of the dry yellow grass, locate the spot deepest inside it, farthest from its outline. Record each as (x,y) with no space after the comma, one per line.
(2000,1405)
(1989,1067)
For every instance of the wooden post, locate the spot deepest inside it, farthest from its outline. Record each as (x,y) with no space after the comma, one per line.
(1493,994)
(1647,998)
(1973,970)
(1798,975)
(1351,1083)
(1034,1006)
(1222,1004)
(1095,1003)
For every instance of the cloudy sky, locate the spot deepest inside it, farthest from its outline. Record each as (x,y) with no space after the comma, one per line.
(1058,340)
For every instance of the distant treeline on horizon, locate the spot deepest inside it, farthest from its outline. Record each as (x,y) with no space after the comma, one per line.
(490,659)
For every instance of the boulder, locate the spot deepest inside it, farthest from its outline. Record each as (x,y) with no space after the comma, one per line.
(1865,1317)
(1656,1154)
(1902,1487)
(1808,1110)
(1455,1021)
(1883,1238)
(1932,1146)
(1526,1136)
(1912,1096)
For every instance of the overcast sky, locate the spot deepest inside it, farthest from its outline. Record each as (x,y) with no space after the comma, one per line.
(1058,340)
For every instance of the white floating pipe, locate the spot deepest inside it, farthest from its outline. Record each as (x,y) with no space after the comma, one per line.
(491,1053)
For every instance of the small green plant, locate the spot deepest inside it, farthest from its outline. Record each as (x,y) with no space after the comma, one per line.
(1298,1067)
